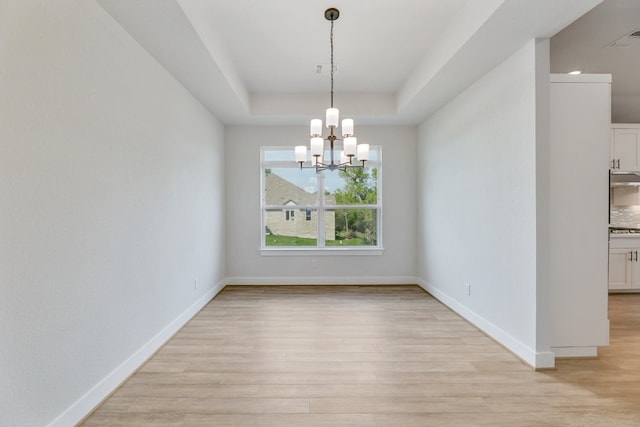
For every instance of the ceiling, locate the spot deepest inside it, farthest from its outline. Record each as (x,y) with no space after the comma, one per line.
(588,45)
(254,62)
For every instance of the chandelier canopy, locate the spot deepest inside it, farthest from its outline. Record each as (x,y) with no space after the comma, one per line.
(339,160)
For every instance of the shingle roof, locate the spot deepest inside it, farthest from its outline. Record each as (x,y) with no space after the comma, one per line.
(279,191)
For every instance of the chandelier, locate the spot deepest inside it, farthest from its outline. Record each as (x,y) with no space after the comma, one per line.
(339,160)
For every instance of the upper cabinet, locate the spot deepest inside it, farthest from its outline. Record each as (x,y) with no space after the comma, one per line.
(625,147)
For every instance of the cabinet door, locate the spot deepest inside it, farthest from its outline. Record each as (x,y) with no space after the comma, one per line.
(626,147)
(635,269)
(620,268)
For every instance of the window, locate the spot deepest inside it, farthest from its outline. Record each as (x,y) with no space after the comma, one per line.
(338,210)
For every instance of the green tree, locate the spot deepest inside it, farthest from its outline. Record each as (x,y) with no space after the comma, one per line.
(360,189)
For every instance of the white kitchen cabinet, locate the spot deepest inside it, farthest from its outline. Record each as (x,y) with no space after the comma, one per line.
(624,264)
(625,147)
(624,269)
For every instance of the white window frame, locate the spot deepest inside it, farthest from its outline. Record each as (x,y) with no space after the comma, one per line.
(321,207)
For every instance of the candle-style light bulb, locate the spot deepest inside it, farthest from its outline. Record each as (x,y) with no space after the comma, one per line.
(333,117)
(316,127)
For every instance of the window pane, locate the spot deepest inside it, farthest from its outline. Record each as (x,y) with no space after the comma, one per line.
(355,186)
(290,227)
(352,227)
(290,186)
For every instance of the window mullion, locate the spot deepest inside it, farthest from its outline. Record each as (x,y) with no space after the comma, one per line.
(283,207)
(332,207)
(321,211)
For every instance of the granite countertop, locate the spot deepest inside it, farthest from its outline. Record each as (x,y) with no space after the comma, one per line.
(617,231)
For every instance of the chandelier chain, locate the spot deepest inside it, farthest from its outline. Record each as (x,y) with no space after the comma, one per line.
(331,63)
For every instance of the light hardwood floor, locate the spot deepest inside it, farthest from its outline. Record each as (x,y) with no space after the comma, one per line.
(367,356)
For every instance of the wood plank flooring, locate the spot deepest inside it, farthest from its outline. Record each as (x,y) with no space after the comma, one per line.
(367,356)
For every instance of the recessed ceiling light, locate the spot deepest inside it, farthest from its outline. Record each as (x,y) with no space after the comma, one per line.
(575,72)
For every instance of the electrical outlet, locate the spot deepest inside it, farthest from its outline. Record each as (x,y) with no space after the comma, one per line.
(314,264)
(468,287)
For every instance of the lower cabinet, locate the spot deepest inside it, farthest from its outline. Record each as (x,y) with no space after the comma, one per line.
(624,269)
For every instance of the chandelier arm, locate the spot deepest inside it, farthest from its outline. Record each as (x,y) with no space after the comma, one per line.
(321,166)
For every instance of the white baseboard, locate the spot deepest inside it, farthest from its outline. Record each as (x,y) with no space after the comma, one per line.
(591,351)
(91,399)
(538,360)
(322,280)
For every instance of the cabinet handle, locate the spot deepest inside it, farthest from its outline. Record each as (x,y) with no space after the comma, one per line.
(618,164)
(636,252)
(630,255)
(613,164)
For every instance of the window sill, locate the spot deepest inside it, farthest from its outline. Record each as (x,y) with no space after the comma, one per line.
(321,251)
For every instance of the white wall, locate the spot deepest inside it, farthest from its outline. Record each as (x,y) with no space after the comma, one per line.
(477,203)
(579,197)
(112,189)
(244,261)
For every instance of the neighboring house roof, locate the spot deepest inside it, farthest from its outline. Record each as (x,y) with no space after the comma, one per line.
(279,191)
